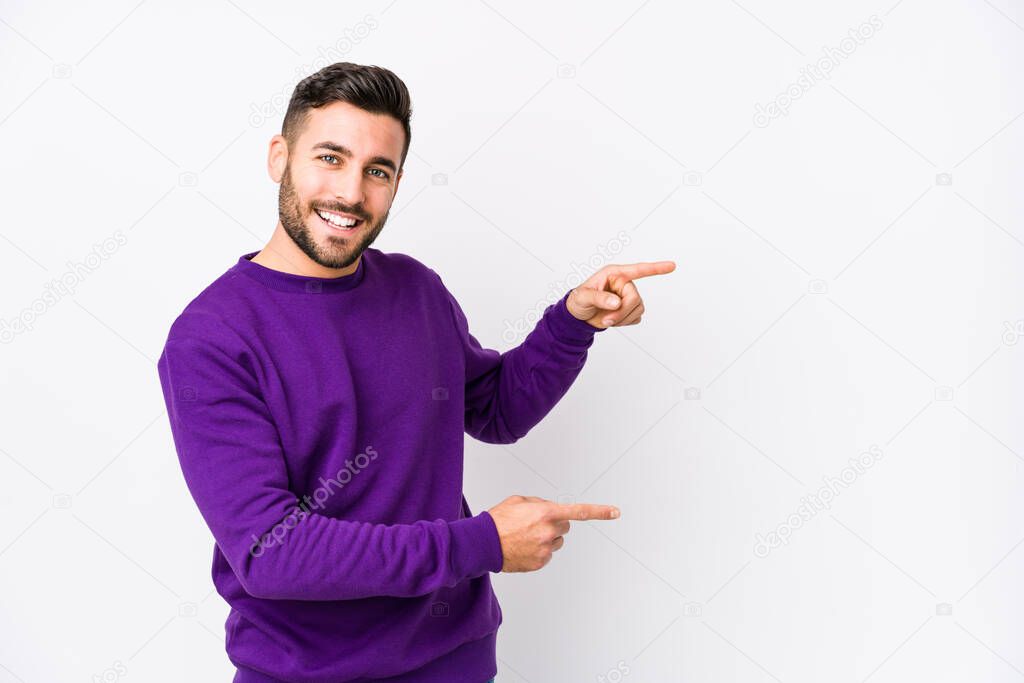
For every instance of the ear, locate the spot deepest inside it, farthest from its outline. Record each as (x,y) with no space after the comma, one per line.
(277,158)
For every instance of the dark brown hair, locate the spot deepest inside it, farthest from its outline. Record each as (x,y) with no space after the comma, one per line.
(371,88)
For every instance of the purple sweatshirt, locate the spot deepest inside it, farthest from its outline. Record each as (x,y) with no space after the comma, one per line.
(319,425)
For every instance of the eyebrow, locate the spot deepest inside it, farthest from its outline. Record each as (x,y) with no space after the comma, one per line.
(344,151)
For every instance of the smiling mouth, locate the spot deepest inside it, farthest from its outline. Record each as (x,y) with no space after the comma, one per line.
(339,221)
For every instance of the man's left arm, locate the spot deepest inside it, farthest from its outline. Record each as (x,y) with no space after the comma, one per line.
(508,393)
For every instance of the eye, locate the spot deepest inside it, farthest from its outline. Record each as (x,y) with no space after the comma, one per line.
(383,174)
(328,156)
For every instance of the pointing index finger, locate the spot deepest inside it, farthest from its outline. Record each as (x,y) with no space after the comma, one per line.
(635,271)
(585,511)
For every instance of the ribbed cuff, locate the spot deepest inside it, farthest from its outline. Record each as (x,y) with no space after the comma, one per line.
(567,327)
(476,546)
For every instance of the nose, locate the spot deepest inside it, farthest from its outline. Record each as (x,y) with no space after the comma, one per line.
(348,185)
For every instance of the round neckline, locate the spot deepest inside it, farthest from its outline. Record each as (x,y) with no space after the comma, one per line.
(303,284)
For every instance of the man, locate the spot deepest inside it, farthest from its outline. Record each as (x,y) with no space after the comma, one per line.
(318,393)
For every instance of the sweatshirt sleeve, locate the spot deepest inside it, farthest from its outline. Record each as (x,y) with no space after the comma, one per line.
(508,393)
(234,467)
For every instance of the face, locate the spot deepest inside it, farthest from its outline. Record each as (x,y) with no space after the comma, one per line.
(342,168)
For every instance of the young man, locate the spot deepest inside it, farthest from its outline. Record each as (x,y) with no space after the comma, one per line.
(318,392)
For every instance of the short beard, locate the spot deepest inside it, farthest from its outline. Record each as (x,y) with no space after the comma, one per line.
(339,252)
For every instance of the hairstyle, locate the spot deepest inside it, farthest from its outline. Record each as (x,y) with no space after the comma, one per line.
(371,88)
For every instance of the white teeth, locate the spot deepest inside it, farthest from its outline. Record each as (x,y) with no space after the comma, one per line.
(337,220)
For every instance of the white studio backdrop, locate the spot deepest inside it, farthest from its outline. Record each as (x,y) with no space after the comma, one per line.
(814,435)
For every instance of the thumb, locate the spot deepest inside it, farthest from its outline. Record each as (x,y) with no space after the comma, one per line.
(588,301)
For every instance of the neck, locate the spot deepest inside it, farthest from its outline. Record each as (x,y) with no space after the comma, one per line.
(281,253)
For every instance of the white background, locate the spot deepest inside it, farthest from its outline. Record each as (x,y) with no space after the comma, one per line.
(832,294)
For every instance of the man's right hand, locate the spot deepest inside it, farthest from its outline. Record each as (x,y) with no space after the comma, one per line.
(532,528)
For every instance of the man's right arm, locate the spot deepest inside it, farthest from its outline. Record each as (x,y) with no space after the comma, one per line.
(234,467)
